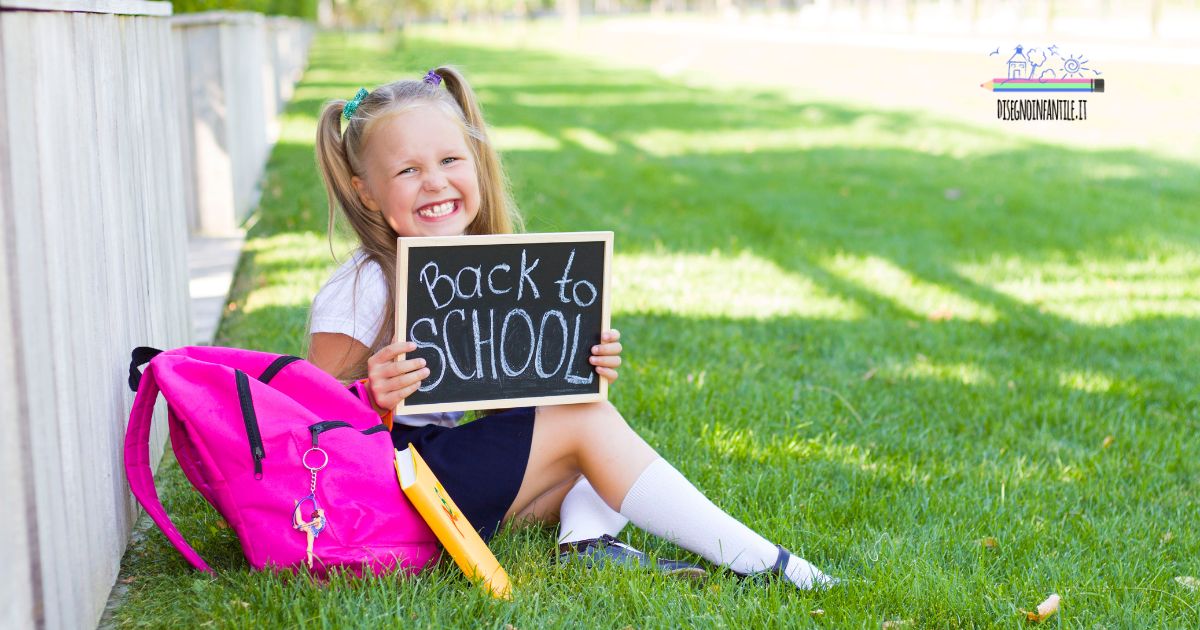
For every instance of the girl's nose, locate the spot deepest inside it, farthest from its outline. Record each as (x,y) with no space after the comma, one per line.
(435,181)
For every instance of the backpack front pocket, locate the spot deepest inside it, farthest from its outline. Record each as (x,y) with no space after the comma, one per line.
(367,513)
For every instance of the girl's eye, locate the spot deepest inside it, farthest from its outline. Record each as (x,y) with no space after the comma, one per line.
(407,171)
(449,160)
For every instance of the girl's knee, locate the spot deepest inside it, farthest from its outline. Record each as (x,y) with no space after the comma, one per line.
(586,423)
(587,417)
(603,417)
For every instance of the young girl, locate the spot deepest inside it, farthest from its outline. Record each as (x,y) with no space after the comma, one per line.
(412,158)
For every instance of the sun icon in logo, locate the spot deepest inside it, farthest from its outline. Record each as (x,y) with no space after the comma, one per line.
(1074,66)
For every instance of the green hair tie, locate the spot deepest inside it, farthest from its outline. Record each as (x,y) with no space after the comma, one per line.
(352,104)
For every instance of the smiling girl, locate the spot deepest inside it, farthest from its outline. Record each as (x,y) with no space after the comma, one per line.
(412,158)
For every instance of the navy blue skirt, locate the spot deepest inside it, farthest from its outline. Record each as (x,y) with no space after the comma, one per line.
(480,463)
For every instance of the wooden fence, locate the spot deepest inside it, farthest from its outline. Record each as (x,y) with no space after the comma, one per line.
(95,187)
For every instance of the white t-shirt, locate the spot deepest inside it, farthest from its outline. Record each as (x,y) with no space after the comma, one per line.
(353,302)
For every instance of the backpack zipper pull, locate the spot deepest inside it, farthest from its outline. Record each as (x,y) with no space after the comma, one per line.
(259,455)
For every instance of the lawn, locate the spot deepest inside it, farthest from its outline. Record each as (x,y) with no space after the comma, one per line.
(958,370)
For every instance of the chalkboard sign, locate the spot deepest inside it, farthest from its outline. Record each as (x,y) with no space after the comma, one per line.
(503,321)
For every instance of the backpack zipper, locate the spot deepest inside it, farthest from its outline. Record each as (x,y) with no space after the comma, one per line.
(321,427)
(251,420)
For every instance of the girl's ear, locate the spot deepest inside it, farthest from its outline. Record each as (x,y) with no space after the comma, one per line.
(364,194)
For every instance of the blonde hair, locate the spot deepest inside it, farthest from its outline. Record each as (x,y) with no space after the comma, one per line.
(340,157)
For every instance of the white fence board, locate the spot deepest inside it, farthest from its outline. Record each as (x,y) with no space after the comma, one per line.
(51,472)
(20,590)
(123,7)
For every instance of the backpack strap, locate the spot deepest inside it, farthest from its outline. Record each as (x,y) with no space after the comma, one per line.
(137,464)
(275,367)
(360,390)
(141,356)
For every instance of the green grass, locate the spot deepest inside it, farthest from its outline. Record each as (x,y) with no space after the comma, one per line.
(876,337)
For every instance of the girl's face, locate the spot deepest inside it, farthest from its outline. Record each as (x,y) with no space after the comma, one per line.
(420,175)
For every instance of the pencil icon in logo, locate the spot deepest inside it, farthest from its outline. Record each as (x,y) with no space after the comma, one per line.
(1044,85)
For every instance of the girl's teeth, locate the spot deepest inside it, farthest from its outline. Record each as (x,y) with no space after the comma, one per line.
(439,210)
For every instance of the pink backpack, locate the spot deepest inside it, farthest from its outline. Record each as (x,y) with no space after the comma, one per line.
(243,426)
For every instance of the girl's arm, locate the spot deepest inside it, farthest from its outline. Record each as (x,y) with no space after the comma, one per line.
(335,353)
(606,355)
(389,381)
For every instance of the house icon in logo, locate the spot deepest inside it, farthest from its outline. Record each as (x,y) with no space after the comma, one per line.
(1018,65)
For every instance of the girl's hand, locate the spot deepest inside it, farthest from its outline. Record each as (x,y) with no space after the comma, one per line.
(391,381)
(606,355)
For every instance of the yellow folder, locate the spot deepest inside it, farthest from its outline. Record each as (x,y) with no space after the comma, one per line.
(457,536)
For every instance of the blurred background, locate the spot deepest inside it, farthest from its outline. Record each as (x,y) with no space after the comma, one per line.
(926,55)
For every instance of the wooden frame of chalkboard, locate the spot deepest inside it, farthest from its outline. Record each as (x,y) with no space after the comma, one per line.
(468,283)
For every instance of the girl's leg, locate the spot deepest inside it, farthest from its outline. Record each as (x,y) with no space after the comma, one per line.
(585,516)
(575,506)
(546,509)
(592,439)
(595,440)
(588,529)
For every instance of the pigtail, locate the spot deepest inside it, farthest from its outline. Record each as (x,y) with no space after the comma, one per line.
(502,216)
(376,238)
(333,163)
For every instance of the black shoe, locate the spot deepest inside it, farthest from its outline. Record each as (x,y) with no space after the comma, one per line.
(816,579)
(605,549)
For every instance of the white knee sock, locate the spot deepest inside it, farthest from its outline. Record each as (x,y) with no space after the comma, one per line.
(584,515)
(667,505)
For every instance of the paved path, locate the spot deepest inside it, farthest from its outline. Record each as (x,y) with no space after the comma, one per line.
(211,264)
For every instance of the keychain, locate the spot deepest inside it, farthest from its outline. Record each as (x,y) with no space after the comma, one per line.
(315,524)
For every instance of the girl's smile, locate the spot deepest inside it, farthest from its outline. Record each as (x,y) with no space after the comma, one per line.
(439,211)
(420,174)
